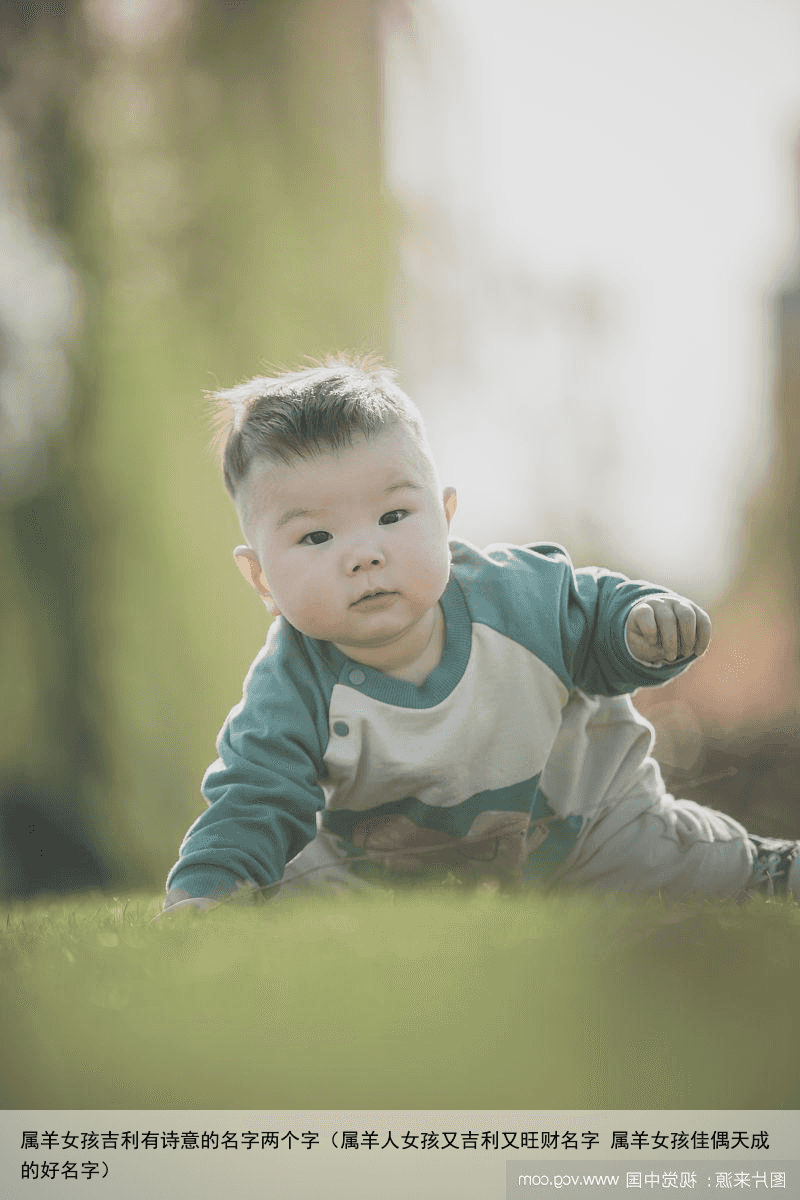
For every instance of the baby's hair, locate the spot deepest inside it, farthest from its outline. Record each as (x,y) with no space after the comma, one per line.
(298,414)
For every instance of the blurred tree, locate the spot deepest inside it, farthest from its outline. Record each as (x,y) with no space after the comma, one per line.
(744,698)
(214,172)
(769,582)
(786,506)
(773,535)
(53,760)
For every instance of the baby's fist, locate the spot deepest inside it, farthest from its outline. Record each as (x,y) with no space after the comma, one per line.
(665,629)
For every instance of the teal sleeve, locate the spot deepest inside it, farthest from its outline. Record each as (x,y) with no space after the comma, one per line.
(263,791)
(594,608)
(572,620)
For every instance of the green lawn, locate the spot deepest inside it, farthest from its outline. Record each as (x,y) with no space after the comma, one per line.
(436,999)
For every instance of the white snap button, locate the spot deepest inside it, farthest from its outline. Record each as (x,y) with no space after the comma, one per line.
(357,677)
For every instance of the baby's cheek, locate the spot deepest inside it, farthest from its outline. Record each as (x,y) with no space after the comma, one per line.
(430,579)
(316,606)
(300,603)
(438,564)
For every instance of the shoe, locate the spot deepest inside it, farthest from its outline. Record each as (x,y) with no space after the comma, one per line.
(776,869)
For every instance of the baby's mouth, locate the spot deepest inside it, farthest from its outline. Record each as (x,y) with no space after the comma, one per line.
(376,595)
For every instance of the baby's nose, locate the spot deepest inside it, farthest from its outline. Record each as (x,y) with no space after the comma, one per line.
(365,559)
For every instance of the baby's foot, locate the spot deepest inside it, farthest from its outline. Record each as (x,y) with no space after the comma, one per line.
(776,869)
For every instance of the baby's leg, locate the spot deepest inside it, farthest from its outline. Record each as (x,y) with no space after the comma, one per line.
(679,848)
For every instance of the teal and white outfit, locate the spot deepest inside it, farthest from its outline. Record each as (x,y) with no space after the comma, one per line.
(520,757)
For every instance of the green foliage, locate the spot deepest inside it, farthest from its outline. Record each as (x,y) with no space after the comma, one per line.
(444,998)
(220,194)
(242,232)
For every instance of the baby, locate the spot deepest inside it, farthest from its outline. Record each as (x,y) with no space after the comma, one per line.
(424,709)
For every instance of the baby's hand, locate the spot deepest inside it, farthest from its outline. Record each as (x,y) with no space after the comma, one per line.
(178,900)
(667,628)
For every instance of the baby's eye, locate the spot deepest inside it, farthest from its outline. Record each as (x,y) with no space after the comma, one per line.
(391,518)
(316,538)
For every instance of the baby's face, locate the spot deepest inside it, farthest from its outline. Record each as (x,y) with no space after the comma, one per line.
(353,543)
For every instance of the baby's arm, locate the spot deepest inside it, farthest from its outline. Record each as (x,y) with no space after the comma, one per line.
(666,628)
(263,791)
(610,627)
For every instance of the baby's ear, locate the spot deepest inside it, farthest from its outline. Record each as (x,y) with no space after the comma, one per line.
(449,497)
(250,567)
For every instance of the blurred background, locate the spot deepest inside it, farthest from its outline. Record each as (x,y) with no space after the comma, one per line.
(572,226)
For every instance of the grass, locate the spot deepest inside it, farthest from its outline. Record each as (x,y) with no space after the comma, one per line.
(436,999)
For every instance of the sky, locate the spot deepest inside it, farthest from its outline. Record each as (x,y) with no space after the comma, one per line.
(599,202)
